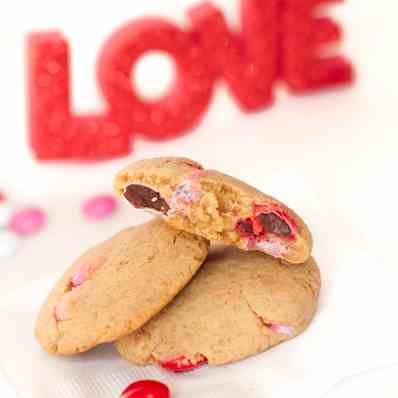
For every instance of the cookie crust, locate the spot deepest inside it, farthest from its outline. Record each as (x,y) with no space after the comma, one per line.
(217,206)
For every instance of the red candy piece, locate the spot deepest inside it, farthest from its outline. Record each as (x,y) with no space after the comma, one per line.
(181,364)
(182,108)
(282,214)
(55,133)
(146,389)
(248,62)
(303,68)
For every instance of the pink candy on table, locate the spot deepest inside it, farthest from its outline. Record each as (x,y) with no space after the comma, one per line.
(99,207)
(27,221)
(282,329)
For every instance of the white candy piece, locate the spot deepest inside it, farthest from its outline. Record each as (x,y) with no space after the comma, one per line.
(275,248)
(5,214)
(9,244)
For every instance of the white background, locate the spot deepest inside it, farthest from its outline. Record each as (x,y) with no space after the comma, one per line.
(342,142)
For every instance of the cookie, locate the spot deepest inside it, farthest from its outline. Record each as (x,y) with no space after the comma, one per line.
(117,286)
(239,304)
(215,206)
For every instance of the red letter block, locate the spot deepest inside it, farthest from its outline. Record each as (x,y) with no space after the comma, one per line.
(249,62)
(55,133)
(303,68)
(183,106)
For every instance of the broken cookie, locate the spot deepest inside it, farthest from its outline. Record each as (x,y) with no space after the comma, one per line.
(215,206)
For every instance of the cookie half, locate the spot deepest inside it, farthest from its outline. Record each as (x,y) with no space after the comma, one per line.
(239,304)
(215,206)
(117,286)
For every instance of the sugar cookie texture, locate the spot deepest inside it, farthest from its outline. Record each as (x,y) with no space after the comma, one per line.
(239,304)
(117,286)
(216,206)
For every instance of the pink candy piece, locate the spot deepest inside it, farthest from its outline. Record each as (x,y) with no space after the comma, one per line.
(27,221)
(86,270)
(99,207)
(282,329)
(2,197)
(81,275)
(61,310)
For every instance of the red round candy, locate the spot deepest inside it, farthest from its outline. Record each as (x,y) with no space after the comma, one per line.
(181,364)
(146,389)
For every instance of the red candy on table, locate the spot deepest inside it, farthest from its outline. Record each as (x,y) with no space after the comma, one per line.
(181,364)
(146,389)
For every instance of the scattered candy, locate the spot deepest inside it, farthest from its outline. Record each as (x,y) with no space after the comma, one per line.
(99,207)
(27,221)
(9,243)
(182,364)
(146,389)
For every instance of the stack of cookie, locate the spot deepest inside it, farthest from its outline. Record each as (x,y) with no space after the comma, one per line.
(163,298)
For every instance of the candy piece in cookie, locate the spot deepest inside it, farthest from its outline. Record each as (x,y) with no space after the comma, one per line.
(181,364)
(117,286)
(215,206)
(239,304)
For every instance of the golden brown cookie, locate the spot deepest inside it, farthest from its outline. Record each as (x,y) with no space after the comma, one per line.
(215,206)
(117,286)
(239,304)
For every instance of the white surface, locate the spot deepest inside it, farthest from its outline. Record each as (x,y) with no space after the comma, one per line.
(373,383)
(300,363)
(342,143)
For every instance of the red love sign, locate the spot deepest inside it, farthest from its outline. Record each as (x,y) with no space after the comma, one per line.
(280,40)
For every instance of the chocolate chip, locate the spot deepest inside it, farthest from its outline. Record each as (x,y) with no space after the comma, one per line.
(274,224)
(141,196)
(246,227)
